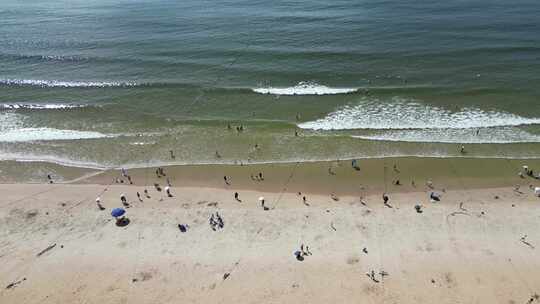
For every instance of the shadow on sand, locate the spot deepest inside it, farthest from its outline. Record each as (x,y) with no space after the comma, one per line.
(122,222)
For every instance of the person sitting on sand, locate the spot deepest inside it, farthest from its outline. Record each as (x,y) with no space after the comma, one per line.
(219,221)
(213,222)
(226,180)
(98,203)
(372,276)
(168,191)
(435,197)
(298,255)
(139,196)
(261,176)
(183,228)
(146,193)
(236,197)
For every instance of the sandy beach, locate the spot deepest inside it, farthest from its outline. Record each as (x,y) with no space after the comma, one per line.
(478,244)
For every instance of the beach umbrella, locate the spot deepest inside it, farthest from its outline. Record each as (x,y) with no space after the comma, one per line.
(116,212)
(537,191)
(261,198)
(98,200)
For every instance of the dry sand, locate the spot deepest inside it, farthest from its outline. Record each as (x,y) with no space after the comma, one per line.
(476,255)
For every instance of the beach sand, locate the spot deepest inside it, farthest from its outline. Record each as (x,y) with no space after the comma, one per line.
(484,251)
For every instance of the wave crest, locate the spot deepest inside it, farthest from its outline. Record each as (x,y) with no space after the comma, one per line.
(65,84)
(36,106)
(304,88)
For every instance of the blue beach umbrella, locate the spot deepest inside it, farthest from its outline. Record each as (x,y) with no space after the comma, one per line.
(116,212)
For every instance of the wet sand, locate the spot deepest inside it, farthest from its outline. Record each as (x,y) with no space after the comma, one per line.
(485,250)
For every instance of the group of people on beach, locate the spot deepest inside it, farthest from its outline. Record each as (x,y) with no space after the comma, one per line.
(216,222)
(239,128)
(300,254)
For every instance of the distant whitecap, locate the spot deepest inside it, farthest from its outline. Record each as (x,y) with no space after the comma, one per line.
(304,88)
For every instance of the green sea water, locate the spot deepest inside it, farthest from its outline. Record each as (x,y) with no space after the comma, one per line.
(121,83)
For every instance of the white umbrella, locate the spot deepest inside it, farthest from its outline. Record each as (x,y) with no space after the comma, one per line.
(261,198)
(537,191)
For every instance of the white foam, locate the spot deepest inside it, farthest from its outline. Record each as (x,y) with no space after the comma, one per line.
(504,135)
(49,106)
(64,84)
(408,114)
(44,134)
(304,88)
(10,120)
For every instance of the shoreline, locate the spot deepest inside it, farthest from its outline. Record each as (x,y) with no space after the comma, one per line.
(376,175)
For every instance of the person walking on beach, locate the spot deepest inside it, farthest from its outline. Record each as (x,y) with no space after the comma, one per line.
(385,199)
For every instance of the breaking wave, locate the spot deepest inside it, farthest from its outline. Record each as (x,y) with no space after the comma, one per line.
(304,88)
(406,114)
(65,84)
(37,106)
(45,134)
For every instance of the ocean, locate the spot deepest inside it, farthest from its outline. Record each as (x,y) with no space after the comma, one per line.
(107,83)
